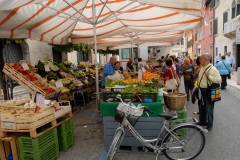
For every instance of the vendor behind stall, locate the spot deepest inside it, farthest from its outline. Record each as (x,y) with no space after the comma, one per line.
(118,67)
(109,69)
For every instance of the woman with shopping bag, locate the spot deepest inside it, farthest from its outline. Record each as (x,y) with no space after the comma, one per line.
(169,76)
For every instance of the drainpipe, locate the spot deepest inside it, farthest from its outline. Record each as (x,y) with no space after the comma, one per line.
(213,56)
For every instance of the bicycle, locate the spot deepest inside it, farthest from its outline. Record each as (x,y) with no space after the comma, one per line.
(185,141)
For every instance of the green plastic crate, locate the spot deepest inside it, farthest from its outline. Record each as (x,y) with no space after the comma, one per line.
(66,127)
(66,135)
(49,153)
(182,114)
(176,122)
(37,145)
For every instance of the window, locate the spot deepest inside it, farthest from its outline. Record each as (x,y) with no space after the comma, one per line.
(216,51)
(225,50)
(126,53)
(211,27)
(225,18)
(233,9)
(215,26)
(238,8)
(211,49)
(198,34)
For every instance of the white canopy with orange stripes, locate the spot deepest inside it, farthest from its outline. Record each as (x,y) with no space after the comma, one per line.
(79,21)
(61,21)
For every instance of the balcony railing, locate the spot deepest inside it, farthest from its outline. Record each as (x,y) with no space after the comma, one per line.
(231,26)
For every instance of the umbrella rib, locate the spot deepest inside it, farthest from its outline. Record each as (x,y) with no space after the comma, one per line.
(113,13)
(96,21)
(74,18)
(78,11)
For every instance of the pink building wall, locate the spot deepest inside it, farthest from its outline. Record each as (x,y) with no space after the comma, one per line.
(205,43)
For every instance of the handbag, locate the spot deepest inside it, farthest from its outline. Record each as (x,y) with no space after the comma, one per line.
(215,91)
(171,84)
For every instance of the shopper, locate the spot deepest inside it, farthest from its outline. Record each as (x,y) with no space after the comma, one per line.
(129,65)
(118,67)
(224,69)
(169,73)
(188,73)
(218,58)
(109,69)
(231,60)
(208,74)
(197,68)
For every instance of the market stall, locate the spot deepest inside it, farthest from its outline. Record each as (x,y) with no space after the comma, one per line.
(141,90)
(41,118)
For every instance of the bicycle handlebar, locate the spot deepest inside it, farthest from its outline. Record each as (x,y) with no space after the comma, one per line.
(129,103)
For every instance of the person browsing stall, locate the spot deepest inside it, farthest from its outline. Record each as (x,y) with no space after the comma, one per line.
(208,74)
(109,69)
(224,69)
(129,65)
(118,67)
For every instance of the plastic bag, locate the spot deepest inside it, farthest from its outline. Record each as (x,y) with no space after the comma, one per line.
(114,77)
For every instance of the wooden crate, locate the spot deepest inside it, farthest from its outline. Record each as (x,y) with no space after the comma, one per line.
(30,86)
(27,121)
(61,109)
(40,123)
(7,145)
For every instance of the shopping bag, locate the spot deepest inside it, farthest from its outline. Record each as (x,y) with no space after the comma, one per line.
(171,84)
(215,92)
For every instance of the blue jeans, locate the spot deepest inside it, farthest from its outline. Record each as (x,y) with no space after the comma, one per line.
(208,105)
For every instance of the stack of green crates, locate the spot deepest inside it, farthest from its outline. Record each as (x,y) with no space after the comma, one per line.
(182,115)
(66,135)
(40,148)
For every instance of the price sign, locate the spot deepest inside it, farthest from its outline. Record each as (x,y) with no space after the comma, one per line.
(40,100)
(25,66)
(58,84)
(46,67)
(87,69)
(140,75)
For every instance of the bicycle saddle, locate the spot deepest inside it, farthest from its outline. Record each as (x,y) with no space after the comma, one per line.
(168,116)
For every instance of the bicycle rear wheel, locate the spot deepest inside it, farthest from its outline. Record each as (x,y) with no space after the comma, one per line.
(115,145)
(189,143)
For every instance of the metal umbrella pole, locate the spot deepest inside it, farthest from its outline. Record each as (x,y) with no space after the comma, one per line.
(96,64)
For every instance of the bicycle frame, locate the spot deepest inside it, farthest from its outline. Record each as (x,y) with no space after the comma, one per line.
(147,143)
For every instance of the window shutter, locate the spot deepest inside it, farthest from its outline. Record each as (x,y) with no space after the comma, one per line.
(215,26)
(233,12)
(238,9)
(212,3)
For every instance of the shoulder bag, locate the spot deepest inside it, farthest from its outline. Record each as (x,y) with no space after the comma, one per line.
(214,91)
(171,84)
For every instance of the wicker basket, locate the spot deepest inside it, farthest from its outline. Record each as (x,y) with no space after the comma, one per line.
(175,101)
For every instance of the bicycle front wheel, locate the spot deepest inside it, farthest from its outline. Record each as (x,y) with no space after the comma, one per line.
(186,142)
(115,145)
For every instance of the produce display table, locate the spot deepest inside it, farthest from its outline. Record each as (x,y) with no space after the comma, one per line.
(148,127)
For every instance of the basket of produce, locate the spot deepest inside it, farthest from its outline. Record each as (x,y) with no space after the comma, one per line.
(175,101)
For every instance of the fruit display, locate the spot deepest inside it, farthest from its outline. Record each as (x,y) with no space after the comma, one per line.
(148,75)
(21,72)
(126,82)
(151,88)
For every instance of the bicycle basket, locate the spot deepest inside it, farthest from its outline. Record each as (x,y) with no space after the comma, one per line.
(133,119)
(133,114)
(119,115)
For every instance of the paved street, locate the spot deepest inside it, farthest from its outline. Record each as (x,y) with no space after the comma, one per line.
(222,143)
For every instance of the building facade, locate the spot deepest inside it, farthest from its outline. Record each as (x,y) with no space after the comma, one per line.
(227,16)
(203,39)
